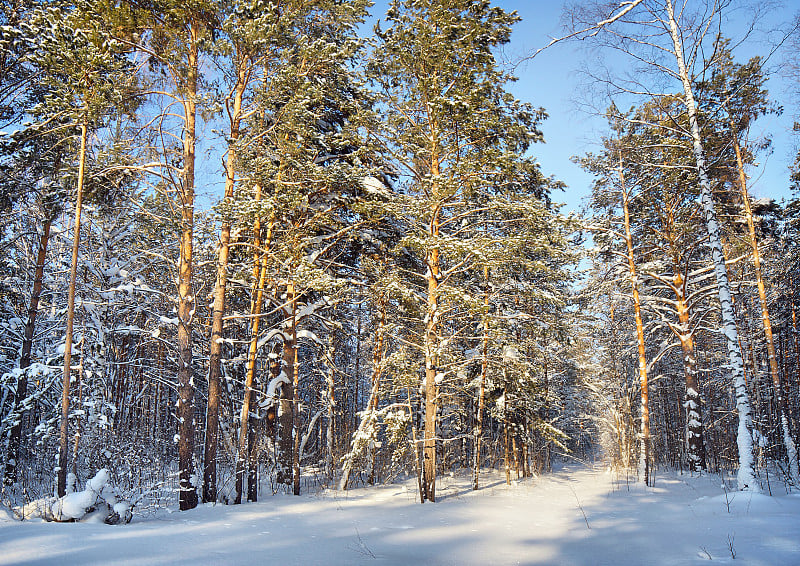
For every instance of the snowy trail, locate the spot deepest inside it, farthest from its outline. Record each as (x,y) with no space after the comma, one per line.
(573,516)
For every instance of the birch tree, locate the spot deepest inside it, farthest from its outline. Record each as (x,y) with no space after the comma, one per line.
(667,46)
(734,97)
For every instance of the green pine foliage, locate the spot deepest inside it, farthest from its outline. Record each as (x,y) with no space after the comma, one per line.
(382,196)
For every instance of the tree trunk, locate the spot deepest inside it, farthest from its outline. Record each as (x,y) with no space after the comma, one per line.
(795,332)
(506,439)
(291,299)
(357,370)
(15,435)
(330,431)
(377,367)
(476,461)
(260,258)
(746,475)
(431,363)
(252,459)
(63,452)
(695,444)
(692,403)
(783,408)
(372,404)
(187,494)
(286,418)
(644,452)
(260,273)
(218,309)
(795,339)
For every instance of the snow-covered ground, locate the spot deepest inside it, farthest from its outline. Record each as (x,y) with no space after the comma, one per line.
(573,516)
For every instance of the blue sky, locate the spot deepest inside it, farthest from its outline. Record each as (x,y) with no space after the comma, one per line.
(552,81)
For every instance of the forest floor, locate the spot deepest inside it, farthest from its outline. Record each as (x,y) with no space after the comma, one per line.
(573,516)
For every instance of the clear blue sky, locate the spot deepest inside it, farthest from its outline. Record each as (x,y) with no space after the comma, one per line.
(551,81)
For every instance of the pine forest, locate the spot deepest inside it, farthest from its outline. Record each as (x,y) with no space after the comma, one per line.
(254,248)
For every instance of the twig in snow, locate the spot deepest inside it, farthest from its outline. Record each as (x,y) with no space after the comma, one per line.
(727,501)
(363,548)
(580,507)
(730,545)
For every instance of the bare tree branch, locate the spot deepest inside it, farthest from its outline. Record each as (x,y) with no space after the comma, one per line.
(624,8)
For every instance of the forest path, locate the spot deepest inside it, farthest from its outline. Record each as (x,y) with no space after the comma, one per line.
(573,516)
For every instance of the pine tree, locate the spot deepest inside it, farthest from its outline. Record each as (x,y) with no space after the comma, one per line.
(305,158)
(733,98)
(31,168)
(175,34)
(455,136)
(243,47)
(665,213)
(85,73)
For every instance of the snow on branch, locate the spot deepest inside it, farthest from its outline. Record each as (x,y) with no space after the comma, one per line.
(624,8)
(272,390)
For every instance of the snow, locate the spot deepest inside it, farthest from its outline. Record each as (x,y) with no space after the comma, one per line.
(574,516)
(74,505)
(97,503)
(308,335)
(271,396)
(510,353)
(374,185)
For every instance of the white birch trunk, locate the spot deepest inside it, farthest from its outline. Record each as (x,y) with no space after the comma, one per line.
(746,476)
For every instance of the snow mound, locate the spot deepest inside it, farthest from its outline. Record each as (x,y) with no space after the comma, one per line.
(6,514)
(98,503)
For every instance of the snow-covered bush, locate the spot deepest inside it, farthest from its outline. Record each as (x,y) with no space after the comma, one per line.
(98,502)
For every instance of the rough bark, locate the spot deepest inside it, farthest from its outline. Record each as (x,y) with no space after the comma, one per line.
(15,434)
(290,349)
(243,460)
(696,451)
(476,461)
(187,494)
(692,403)
(253,431)
(644,452)
(506,437)
(431,369)
(218,309)
(288,416)
(357,370)
(331,428)
(783,407)
(794,331)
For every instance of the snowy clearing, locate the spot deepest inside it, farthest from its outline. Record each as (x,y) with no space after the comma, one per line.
(573,516)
